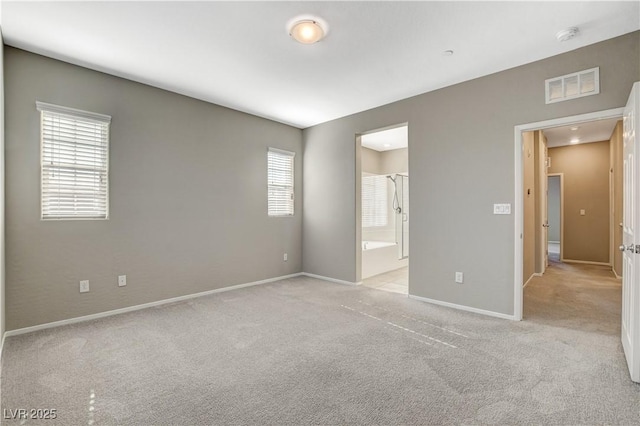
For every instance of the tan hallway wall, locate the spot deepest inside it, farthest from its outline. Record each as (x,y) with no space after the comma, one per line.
(529,234)
(586,187)
(540,182)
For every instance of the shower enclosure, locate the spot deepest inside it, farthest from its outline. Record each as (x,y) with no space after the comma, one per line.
(385,223)
(402,215)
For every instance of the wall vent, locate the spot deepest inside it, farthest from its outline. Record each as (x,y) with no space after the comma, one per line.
(572,86)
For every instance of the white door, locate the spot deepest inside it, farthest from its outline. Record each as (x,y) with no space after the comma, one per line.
(631,236)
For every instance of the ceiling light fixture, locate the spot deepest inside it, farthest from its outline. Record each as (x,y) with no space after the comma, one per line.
(307,31)
(575,141)
(567,34)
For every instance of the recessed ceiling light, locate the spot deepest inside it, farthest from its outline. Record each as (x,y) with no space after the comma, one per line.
(306,31)
(447,53)
(575,141)
(574,128)
(567,34)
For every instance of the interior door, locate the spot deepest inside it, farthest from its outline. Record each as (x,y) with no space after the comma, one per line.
(631,236)
(545,204)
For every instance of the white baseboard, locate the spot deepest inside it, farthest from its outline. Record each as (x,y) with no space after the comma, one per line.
(535,274)
(585,262)
(333,280)
(463,308)
(139,307)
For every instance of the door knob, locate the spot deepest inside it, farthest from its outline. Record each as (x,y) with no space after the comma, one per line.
(630,247)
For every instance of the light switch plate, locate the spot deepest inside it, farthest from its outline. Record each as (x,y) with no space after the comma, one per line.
(84,286)
(502,209)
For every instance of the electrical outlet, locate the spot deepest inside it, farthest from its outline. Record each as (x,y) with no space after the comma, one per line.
(459,277)
(122,280)
(84,286)
(286,257)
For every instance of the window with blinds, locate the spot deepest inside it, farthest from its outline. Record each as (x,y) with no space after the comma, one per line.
(374,201)
(280,196)
(74,163)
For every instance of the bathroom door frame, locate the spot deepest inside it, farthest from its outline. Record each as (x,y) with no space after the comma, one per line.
(358,191)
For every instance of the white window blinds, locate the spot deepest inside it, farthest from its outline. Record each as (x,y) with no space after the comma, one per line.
(280,196)
(74,163)
(374,201)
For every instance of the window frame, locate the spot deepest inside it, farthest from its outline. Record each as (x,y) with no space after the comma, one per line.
(292,156)
(79,116)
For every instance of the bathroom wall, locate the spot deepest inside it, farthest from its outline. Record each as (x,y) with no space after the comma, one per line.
(384,163)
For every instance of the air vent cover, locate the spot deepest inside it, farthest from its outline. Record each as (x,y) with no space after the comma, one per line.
(572,86)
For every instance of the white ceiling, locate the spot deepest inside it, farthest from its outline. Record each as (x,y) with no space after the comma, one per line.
(239,54)
(593,131)
(386,140)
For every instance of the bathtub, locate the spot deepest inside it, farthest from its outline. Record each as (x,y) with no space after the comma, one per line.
(379,257)
(370,245)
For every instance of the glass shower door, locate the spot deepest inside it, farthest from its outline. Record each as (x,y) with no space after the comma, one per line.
(404,220)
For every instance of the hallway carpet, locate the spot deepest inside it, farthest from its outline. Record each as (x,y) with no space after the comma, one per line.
(304,351)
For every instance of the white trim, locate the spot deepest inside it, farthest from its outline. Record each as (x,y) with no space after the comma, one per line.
(2,347)
(554,242)
(535,274)
(518,201)
(463,307)
(143,306)
(58,109)
(586,262)
(333,280)
(618,277)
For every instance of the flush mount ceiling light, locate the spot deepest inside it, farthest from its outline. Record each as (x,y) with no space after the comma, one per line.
(567,34)
(307,31)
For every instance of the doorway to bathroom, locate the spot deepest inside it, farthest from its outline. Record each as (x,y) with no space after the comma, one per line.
(384,201)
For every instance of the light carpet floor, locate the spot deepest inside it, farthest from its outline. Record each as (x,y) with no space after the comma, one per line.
(304,351)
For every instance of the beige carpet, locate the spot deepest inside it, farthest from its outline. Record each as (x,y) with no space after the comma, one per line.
(304,351)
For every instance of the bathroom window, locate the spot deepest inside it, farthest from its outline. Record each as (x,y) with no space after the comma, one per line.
(280,194)
(374,201)
(74,163)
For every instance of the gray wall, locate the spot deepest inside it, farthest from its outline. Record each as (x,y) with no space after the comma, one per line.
(461,160)
(188,205)
(553,208)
